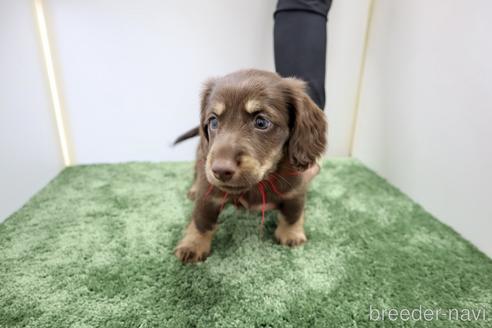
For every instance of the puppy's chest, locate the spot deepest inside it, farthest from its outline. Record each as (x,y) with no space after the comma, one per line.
(268,194)
(256,200)
(253,202)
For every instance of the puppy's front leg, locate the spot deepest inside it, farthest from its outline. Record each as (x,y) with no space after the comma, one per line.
(196,243)
(290,223)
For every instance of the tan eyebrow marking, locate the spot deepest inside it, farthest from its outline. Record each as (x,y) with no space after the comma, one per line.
(219,108)
(252,105)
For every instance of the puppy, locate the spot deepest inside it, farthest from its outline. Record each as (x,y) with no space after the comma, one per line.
(260,137)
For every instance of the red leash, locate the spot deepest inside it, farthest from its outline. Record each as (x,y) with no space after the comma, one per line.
(261,189)
(273,187)
(224,199)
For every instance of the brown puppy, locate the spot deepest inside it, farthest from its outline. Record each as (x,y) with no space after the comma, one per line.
(260,137)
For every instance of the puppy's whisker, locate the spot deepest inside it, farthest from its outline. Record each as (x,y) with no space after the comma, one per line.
(272,185)
(290,171)
(282,178)
(247,181)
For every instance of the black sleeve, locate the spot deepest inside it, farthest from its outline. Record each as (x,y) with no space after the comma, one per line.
(300,43)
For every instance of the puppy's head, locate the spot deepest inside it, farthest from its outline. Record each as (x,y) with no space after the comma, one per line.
(250,121)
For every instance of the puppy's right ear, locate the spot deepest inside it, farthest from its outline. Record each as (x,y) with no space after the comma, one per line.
(307,140)
(208,87)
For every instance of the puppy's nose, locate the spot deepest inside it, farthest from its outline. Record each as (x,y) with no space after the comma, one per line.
(224,169)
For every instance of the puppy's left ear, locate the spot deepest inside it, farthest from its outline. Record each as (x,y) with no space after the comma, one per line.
(307,140)
(204,102)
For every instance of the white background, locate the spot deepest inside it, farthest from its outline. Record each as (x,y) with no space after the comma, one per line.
(426,109)
(132,71)
(29,150)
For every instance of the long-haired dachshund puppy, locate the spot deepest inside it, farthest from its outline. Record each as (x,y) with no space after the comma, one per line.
(260,137)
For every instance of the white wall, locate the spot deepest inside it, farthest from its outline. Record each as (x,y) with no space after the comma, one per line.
(29,150)
(426,108)
(346,37)
(131,71)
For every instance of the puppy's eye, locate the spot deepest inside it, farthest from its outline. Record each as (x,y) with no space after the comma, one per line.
(262,123)
(213,123)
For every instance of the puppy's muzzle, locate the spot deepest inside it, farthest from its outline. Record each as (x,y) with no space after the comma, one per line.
(224,169)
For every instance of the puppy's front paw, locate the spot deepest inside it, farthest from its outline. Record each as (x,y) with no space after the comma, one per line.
(195,246)
(190,253)
(289,237)
(290,234)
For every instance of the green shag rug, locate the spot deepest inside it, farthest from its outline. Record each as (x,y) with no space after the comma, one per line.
(95,249)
